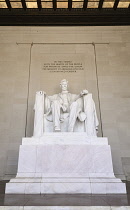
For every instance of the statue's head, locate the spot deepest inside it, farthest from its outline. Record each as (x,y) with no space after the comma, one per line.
(64,84)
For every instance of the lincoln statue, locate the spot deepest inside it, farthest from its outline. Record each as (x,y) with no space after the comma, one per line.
(76,111)
(65,102)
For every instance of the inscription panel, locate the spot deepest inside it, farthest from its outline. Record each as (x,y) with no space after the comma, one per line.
(63,66)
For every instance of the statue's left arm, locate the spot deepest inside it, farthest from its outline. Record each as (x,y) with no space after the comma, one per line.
(82,93)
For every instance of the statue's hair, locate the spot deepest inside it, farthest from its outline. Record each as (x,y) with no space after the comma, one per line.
(63,80)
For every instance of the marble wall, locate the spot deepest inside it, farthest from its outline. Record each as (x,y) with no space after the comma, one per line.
(41,78)
(104,52)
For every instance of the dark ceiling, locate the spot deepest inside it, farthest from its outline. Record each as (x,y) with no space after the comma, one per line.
(64,12)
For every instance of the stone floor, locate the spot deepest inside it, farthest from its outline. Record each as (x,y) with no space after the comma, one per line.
(63,199)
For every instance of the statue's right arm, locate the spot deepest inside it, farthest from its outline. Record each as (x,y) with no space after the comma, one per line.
(52,98)
(48,101)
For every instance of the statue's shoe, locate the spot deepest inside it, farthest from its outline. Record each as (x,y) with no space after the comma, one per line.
(70,129)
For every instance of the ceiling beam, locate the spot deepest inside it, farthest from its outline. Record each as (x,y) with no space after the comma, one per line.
(85,4)
(116,4)
(69,4)
(24,4)
(39,4)
(63,17)
(8,4)
(100,4)
(54,5)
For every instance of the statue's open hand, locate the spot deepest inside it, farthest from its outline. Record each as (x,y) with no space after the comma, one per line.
(84,92)
(64,108)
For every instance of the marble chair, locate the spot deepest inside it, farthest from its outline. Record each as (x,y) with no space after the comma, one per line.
(86,120)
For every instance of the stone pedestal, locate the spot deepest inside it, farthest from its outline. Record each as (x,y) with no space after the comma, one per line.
(65,163)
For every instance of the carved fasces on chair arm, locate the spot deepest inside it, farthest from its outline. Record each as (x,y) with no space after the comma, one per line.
(41,92)
(38,94)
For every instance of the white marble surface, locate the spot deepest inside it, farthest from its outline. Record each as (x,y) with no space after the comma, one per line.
(60,160)
(27,159)
(79,166)
(66,185)
(14,208)
(12,188)
(65,138)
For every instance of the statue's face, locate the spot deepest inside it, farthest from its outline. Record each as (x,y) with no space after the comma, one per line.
(64,86)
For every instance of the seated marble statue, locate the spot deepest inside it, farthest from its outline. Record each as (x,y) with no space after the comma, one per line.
(75,110)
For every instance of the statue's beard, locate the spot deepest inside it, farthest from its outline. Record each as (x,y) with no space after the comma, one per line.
(64,91)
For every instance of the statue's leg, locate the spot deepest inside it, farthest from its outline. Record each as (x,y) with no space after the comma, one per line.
(74,108)
(56,114)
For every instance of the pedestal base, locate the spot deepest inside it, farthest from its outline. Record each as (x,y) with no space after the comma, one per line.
(65,185)
(65,163)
